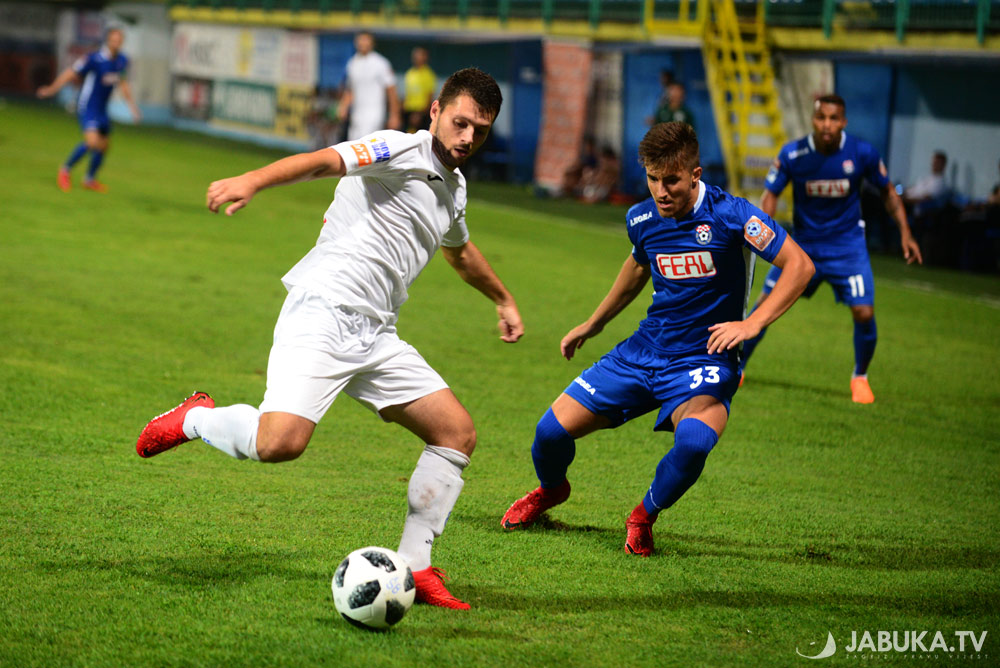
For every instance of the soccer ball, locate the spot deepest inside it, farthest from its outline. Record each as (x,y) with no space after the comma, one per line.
(373,588)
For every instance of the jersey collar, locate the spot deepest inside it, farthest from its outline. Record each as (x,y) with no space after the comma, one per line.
(105,53)
(812,144)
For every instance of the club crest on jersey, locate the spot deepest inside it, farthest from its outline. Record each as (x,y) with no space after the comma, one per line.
(678,266)
(379,148)
(703,234)
(757,233)
(848,166)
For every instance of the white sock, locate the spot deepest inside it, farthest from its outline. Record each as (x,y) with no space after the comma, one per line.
(433,490)
(232,429)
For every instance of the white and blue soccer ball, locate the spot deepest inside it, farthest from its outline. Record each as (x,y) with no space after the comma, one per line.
(373,587)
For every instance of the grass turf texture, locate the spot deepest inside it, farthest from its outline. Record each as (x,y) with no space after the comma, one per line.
(813,514)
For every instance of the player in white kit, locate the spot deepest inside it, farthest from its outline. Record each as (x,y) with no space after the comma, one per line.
(402,198)
(370,87)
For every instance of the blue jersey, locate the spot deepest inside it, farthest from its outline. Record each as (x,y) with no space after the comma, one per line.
(700,266)
(100,72)
(827,188)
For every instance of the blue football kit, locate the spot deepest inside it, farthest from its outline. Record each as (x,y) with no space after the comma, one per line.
(701,275)
(827,220)
(100,72)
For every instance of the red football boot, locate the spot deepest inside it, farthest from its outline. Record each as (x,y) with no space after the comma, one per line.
(63,180)
(431,589)
(167,431)
(526,510)
(639,532)
(95,185)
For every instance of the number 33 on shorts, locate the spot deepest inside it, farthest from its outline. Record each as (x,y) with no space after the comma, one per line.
(703,374)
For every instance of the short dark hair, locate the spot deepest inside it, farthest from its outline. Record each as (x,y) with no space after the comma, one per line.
(831,98)
(669,146)
(941,154)
(475,83)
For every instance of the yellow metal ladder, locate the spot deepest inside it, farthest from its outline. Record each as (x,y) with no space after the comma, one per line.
(744,95)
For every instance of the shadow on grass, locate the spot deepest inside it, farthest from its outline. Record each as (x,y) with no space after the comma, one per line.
(867,556)
(931,603)
(818,390)
(226,567)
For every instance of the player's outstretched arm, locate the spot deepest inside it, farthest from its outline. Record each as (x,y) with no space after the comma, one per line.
(894,205)
(470,264)
(66,76)
(796,270)
(126,91)
(630,281)
(301,167)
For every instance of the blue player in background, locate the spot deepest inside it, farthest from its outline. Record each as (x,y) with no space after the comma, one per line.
(826,169)
(693,240)
(96,74)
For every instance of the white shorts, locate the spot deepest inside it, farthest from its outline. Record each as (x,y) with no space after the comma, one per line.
(320,349)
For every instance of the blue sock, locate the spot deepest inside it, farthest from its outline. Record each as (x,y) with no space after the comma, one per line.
(96,158)
(553,451)
(865,338)
(679,468)
(749,345)
(75,156)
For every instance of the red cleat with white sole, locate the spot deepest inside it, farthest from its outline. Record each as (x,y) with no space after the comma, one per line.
(167,431)
(431,589)
(639,532)
(525,511)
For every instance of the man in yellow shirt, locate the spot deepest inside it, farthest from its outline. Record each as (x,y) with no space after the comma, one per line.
(421,84)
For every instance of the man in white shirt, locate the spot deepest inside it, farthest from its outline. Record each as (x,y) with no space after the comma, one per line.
(402,197)
(370,84)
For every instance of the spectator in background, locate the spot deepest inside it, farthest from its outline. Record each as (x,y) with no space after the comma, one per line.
(994,198)
(666,78)
(420,84)
(674,109)
(929,194)
(599,182)
(325,126)
(369,89)
(573,176)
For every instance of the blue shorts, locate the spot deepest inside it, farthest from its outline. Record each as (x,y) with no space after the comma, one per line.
(847,270)
(99,122)
(632,380)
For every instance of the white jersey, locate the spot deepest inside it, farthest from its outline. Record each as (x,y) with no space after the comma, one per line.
(367,78)
(396,206)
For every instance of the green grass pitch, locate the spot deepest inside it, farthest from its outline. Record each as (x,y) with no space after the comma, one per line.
(813,515)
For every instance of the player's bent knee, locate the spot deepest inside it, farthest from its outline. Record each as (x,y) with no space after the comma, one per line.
(283,448)
(462,439)
(862,314)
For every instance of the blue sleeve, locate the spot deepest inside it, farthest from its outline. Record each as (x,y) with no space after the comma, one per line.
(84,64)
(761,234)
(638,252)
(777,175)
(874,169)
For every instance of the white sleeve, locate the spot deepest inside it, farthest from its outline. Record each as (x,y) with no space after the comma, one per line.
(377,153)
(388,76)
(458,233)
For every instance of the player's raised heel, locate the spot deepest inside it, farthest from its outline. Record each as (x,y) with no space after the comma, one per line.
(431,589)
(639,532)
(526,510)
(861,392)
(166,431)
